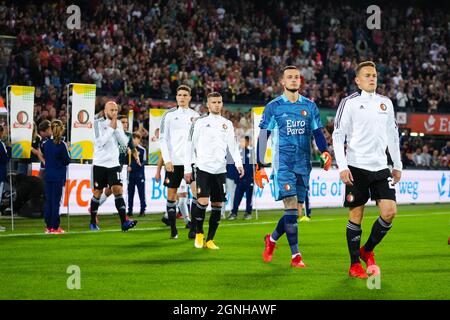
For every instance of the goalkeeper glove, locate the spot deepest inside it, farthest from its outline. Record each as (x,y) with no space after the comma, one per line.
(260,175)
(325,160)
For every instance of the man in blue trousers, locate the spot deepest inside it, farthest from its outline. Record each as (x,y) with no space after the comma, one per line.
(244,184)
(136,176)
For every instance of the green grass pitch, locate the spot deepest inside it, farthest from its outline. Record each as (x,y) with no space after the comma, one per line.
(145,264)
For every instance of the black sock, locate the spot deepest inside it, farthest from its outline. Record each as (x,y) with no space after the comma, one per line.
(95,203)
(120,206)
(353,240)
(171,208)
(214,220)
(379,230)
(192,210)
(200,218)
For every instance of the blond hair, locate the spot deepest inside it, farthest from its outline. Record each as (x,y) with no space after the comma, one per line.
(57,130)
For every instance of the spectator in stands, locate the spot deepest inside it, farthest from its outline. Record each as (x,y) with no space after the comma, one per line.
(418,158)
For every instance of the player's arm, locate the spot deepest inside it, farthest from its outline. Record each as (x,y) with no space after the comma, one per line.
(65,154)
(234,150)
(266,124)
(394,144)
(158,169)
(342,126)
(164,137)
(319,138)
(189,154)
(102,136)
(120,135)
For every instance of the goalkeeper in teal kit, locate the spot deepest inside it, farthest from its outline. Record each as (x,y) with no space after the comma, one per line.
(291,120)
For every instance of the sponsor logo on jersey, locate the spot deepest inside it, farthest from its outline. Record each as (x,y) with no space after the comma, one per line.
(295,127)
(350,197)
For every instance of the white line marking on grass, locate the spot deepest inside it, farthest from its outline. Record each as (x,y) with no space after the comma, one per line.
(225,225)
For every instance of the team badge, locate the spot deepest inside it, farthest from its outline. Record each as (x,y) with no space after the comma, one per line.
(192,119)
(304,113)
(383,107)
(287,187)
(350,197)
(167,181)
(199,190)
(224,126)
(96,184)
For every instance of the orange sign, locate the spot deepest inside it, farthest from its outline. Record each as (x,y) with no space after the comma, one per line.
(429,123)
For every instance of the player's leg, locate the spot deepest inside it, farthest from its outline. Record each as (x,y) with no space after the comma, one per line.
(115,181)
(231,191)
(203,194)
(141,191)
(383,191)
(99,179)
(218,193)
(131,190)
(106,193)
(182,205)
(47,207)
(356,197)
(238,195)
(193,227)
(172,182)
(56,203)
(284,187)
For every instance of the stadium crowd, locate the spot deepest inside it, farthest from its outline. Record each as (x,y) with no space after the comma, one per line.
(137,52)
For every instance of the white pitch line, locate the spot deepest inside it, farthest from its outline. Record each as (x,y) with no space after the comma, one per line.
(225,225)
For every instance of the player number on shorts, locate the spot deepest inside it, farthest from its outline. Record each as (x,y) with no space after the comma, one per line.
(391,182)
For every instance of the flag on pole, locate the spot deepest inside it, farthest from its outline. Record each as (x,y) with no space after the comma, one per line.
(21,121)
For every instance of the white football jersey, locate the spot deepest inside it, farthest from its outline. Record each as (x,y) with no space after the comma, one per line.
(107,142)
(366,123)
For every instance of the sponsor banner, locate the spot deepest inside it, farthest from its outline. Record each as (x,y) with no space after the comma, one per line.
(154,150)
(326,190)
(82,124)
(22,111)
(429,123)
(257,117)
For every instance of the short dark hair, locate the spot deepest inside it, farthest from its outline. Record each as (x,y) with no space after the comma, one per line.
(137,135)
(291,67)
(122,116)
(247,138)
(185,88)
(1,128)
(44,125)
(365,64)
(214,94)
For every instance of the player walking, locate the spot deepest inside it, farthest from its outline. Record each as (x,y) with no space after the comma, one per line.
(365,121)
(293,119)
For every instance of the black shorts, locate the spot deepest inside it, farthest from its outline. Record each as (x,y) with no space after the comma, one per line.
(210,185)
(106,177)
(376,185)
(173,179)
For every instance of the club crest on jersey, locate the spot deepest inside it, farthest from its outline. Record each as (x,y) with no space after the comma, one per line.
(304,113)
(224,126)
(287,187)
(350,197)
(167,181)
(192,119)
(383,107)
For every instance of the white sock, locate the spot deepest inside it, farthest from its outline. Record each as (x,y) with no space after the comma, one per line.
(271,239)
(297,254)
(102,200)
(182,204)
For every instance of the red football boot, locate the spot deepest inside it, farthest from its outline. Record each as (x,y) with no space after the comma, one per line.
(357,271)
(268,249)
(367,257)
(297,262)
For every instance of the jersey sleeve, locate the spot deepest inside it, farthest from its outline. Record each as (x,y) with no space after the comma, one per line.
(316,123)
(267,118)
(342,127)
(164,137)
(393,139)
(190,148)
